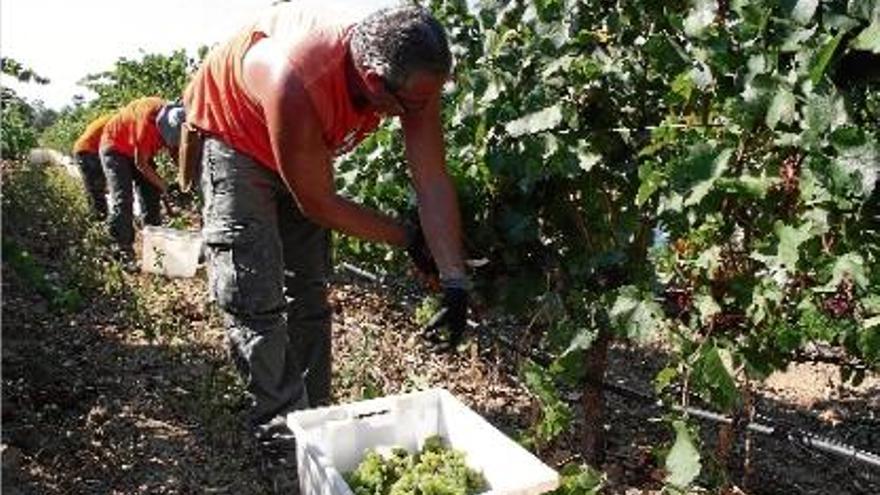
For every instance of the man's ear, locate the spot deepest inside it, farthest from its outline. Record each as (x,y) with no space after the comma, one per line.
(375,83)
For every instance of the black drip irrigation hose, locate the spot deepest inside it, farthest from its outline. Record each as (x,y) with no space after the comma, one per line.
(792,435)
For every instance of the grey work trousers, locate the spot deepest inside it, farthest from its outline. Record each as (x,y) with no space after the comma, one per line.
(94,182)
(268,267)
(122,177)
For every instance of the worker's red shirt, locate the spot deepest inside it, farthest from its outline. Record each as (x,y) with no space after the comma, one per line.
(315,41)
(134,128)
(90,140)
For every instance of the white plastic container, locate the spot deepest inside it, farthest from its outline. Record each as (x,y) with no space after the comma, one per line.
(170,252)
(333,440)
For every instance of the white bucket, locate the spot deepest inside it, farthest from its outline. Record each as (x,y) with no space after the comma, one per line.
(170,252)
(333,440)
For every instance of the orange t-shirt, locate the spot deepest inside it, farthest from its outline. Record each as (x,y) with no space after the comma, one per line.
(134,128)
(90,140)
(315,40)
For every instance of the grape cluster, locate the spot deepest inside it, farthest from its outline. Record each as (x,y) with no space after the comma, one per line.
(435,470)
(842,303)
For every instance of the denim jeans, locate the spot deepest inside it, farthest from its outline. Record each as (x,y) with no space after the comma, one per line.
(94,182)
(122,177)
(267,269)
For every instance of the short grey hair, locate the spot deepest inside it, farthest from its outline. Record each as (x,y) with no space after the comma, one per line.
(400,41)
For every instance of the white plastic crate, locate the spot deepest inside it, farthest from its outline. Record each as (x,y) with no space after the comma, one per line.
(333,440)
(170,252)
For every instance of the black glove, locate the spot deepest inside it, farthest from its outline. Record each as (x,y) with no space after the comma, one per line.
(419,252)
(452,315)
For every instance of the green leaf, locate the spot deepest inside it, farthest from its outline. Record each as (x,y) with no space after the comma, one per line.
(803,11)
(587,159)
(823,57)
(707,307)
(823,111)
(635,313)
(782,108)
(766,298)
(848,266)
(556,415)
(683,461)
(871,303)
(683,85)
(579,480)
(867,10)
(664,378)
(790,240)
(532,123)
(747,185)
(650,180)
(713,378)
(709,260)
(869,343)
(795,40)
(700,17)
(581,341)
(848,137)
(702,188)
(862,162)
(818,219)
(868,39)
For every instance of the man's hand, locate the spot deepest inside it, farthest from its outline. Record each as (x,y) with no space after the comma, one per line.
(452,316)
(420,253)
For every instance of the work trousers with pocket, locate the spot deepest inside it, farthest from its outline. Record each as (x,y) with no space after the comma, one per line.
(94,182)
(122,178)
(268,267)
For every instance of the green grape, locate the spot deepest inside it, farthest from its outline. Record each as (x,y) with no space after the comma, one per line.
(433,443)
(435,470)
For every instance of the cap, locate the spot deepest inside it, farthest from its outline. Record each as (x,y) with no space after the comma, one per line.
(169,120)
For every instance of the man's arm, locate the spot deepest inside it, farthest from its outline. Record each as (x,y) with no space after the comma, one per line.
(304,161)
(147,167)
(438,202)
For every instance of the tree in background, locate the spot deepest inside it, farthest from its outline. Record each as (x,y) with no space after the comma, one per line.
(151,75)
(21,120)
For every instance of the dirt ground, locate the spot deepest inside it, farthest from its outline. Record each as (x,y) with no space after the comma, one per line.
(91,405)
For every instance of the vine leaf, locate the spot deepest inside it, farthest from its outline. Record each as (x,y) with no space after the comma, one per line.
(700,17)
(868,39)
(747,185)
(556,415)
(650,181)
(532,123)
(703,187)
(803,11)
(823,57)
(823,112)
(863,162)
(790,240)
(707,307)
(766,298)
(782,108)
(713,378)
(582,340)
(795,40)
(849,266)
(683,461)
(635,313)
(863,9)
